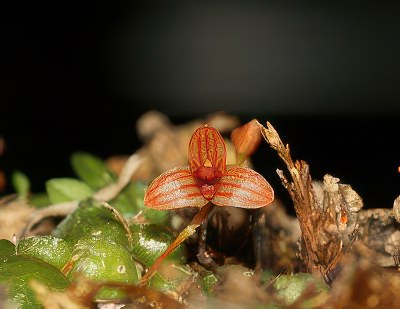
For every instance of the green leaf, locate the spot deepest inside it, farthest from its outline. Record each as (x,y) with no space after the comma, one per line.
(17,271)
(156,216)
(101,260)
(20,183)
(91,170)
(53,250)
(39,200)
(150,241)
(67,189)
(91,219)
(7,249)
(174,279)
(101,247)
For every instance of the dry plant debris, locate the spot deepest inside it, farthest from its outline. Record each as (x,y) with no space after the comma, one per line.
(275,235)
(323,210)
(364,284)
(14,216)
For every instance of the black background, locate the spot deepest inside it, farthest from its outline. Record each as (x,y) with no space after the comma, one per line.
(325,74)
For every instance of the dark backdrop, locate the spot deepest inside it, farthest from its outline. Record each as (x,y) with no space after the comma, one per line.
(325,73)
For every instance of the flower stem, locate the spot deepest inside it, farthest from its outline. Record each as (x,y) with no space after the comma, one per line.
(187,232)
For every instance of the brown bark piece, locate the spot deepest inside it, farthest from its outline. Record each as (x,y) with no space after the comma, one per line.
(326,211)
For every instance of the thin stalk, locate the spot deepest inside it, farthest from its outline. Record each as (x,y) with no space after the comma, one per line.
(187,232)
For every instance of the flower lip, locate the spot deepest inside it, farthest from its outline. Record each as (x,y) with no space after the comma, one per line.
(207,175)
(207,191)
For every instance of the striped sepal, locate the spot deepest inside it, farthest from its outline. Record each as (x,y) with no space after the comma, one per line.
(243,187)
(174,189)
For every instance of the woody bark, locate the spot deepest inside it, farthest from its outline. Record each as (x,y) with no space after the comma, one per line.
(321,243)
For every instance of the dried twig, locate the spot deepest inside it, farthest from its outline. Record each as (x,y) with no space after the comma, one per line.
(331,216)
(321,241)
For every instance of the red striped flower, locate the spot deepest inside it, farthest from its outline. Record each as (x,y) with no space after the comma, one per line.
(208,179)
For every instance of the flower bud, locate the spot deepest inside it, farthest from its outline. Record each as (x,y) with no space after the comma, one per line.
(246,139)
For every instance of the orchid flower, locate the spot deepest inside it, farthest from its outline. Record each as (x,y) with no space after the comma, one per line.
(208,179)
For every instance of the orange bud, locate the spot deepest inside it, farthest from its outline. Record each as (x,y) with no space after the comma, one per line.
(246,139)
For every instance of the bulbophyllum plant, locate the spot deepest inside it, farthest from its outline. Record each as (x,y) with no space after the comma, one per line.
(208,181)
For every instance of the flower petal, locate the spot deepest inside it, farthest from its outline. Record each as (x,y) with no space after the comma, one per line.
(174,189)
(207,144)
(243,187)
